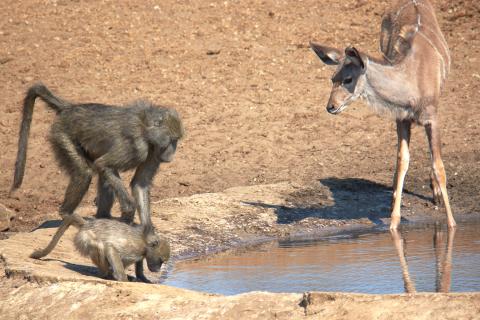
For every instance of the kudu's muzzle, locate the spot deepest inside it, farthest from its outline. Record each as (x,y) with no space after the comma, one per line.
(331,108)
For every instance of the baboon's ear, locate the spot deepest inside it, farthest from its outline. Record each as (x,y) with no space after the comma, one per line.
(329,56)
(354,56)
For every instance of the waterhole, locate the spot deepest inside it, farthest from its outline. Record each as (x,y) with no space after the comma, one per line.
(422,259)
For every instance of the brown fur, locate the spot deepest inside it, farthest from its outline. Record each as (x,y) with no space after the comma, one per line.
(113,246)
(406,83)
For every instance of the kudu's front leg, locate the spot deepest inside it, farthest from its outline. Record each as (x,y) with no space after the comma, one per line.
(403,158)
(438,168)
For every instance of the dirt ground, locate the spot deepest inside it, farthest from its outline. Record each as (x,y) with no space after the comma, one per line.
(250,91)
(66,285)
(252,96)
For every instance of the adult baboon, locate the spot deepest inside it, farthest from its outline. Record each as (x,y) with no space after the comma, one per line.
(113,246)
(88,138)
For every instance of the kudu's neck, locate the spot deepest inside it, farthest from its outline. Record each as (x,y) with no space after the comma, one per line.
(390,88)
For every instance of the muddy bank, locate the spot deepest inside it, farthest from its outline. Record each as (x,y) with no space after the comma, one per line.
(212,222)
(66,284)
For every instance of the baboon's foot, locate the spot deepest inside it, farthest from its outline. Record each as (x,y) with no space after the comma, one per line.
(103,215)
(128,213)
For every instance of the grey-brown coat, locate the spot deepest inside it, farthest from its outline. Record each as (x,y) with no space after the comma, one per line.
(94,138)
(405,83)
(113,246)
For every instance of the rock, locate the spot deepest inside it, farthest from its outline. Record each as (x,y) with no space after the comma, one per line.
(6,216)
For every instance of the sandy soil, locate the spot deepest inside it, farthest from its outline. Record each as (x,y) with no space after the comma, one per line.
(66,285)
(252,96)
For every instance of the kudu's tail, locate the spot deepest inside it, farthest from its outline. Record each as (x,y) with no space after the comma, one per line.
(57,104)
(71,219)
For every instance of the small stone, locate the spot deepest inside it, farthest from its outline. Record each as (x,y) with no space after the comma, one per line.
(213,52)
(6,216)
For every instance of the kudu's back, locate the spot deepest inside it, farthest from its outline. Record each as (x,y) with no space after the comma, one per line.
(410,27)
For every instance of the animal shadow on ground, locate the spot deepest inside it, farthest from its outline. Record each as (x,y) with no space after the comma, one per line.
(338,199)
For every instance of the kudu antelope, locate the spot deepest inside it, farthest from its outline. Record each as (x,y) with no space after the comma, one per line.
(405,82)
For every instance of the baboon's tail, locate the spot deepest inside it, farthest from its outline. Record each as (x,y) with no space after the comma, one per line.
(57,104)
(72,219)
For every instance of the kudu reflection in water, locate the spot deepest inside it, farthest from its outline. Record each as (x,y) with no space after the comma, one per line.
(443,259)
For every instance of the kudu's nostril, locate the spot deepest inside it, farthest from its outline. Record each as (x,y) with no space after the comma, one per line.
(331,108)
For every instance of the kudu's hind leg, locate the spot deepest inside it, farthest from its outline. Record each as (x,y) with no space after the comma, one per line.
(403,159)
(433,136)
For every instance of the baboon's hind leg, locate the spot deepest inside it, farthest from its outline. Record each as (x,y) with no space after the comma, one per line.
(98,258)
(105,197)
(73,160)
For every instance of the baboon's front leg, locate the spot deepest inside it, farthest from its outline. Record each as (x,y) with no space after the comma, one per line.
(141,187)
(139,272)
(105,196)
(403,158)
(433,136)
(116,263)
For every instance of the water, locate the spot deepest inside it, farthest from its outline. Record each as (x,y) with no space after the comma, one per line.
(421,259)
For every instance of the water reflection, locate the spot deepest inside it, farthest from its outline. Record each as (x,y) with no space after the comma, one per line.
(443,266)
(443,258)
(413,260)
(408,283)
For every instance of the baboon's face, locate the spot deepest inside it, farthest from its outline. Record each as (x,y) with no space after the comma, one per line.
(158,252)
(163,130)
(169,152)
(348,80)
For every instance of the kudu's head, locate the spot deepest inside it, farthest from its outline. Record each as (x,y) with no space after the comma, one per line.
(349,78)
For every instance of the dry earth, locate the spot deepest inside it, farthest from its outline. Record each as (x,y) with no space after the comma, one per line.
(252,96)
(67,285)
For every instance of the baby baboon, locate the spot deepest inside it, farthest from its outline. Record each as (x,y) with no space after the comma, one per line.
(113,246)
(88,138)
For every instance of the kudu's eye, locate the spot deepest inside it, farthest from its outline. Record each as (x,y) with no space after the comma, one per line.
(157,123)
(347,80)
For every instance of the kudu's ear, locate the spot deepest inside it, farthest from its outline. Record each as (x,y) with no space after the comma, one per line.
(354,56)
(330,56)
